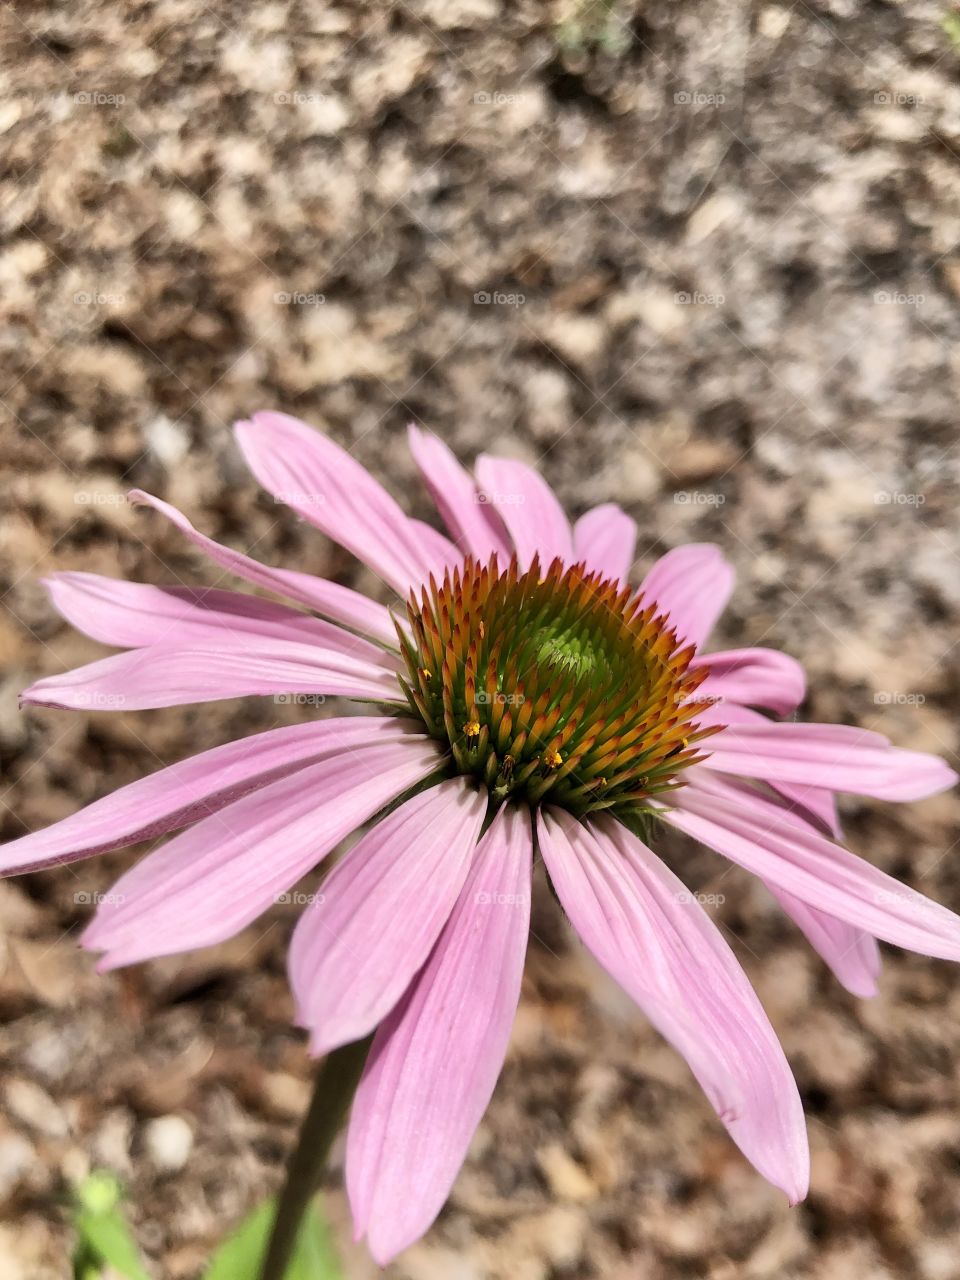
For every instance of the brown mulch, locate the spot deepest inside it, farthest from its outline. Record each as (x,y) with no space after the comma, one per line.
(700,260)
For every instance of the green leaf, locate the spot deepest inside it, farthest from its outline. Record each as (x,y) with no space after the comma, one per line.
(103,1237)
(240,1256)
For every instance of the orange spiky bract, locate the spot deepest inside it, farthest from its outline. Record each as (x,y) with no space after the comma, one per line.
(565,687)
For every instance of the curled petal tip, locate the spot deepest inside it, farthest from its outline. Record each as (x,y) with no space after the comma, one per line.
(28,697)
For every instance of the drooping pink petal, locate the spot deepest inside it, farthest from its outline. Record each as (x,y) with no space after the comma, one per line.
(195,788)
(131,615)
(436,1057)
(655,939)
(851,953)
(323,483)
(815,870)
(691,585)
(176,674)
(836,756)
(209,882)
(356,949)
(528,507)
(340,604)
(754,677)
(473,524)
(606,538)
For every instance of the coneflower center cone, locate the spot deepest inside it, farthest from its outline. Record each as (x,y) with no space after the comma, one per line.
(559,684)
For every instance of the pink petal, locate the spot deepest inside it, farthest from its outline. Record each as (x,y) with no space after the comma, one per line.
(207,883)
(655,939)
(851,953)
(331,490)
(815,803)
(341,604)
(172,675)
(835,756)
(756,677)
(526,504)
(437,547)
(355,950)
(691,585)
(133,615)
(436,1057)
(195,788)
(472,523)
(606,539)
(815,870)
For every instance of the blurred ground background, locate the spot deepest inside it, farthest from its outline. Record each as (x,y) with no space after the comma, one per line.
(699,259)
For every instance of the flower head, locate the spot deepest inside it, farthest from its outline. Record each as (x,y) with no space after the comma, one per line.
(560,683)
(523,698)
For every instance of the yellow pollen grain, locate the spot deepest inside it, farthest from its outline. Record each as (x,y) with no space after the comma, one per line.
(472,729)
(554,759)
(426,673)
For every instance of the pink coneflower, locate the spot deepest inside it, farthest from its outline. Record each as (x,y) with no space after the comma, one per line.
(531,705)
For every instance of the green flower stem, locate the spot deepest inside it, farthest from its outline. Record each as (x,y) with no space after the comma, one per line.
(333,1092)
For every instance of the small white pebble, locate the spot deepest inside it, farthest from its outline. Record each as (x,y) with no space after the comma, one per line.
(168,1141)
(168,441)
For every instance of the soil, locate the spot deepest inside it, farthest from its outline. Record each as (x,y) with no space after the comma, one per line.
(700,260)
